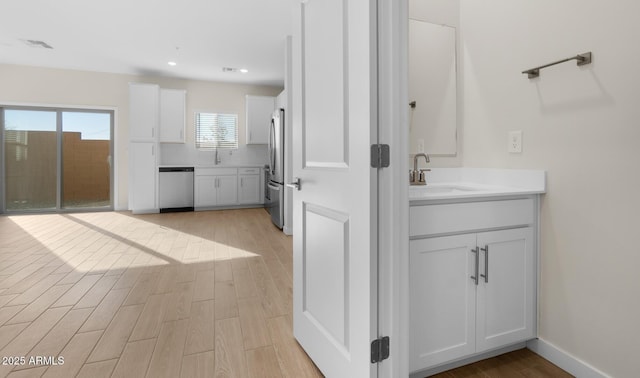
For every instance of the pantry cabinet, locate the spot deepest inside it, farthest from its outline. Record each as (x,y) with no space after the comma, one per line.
(142,177)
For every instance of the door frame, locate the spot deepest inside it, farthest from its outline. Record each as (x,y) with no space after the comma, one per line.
(393,192)
(73,108)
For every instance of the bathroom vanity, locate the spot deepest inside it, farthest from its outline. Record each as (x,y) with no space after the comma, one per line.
(473,264)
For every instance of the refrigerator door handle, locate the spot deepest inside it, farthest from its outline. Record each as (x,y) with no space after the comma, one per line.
(274,187)
(272,151)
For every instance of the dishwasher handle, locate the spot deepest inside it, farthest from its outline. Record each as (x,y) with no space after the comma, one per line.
(175,169)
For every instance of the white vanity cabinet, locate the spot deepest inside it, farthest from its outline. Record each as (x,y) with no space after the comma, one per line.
(172,115)
(472,278)
(249,186)
(215,187)
(259,111)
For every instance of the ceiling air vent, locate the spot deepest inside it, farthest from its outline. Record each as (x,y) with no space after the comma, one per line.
(37,44)
(229,69)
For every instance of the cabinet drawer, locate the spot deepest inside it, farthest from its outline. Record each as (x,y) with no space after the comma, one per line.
(249,171)
(469,216)
(216,171)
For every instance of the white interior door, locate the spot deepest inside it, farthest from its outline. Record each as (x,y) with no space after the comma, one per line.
(334,123)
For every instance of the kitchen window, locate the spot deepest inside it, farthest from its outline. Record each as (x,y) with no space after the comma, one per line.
(216,130)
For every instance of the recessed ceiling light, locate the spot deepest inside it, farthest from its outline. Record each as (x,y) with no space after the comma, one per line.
(172,63)
(244,70)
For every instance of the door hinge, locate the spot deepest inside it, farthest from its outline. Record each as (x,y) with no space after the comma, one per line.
(379,349)
(379,155)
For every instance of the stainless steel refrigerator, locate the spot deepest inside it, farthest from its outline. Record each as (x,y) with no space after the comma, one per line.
(274,193)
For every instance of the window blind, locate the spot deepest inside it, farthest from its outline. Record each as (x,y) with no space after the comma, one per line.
(216,130)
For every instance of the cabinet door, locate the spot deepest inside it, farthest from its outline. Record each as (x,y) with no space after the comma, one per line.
(142,163)
(249,189)
(227,190)
(172,111)
(143,112)
(205,191)
(506,311)
(259,112)
(442,300)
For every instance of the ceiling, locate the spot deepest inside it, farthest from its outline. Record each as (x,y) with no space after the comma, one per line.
(142,36)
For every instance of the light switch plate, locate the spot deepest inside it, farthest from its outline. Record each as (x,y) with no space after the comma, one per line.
(515,142)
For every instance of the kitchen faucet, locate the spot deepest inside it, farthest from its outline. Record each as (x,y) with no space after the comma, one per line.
(417,177)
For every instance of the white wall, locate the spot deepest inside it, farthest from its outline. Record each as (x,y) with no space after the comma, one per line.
(581,125)
(45,86)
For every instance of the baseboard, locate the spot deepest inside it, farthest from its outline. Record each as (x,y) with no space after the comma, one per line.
(564,360)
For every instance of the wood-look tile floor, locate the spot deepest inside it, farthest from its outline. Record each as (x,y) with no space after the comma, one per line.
(198,294)
(521,363)
(204,294)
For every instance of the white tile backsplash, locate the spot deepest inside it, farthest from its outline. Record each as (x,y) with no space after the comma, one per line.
(181,154)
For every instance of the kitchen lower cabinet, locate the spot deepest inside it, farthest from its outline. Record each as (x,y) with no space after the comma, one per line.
(227,190)
(471,292)
(249,186)
(216,190)
(204,189)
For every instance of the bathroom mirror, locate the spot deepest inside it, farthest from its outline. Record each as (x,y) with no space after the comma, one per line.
(432,88)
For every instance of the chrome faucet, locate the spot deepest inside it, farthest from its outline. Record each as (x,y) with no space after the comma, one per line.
(417,177)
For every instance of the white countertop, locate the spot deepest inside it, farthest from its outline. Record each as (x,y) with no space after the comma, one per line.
(463,183)
(257,165)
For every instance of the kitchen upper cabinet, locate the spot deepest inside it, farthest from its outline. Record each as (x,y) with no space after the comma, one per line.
(143,112)
(142,177)
(259,111)
(249,186)
(172,115)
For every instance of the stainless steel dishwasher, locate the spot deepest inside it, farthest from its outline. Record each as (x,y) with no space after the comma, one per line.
(175,189)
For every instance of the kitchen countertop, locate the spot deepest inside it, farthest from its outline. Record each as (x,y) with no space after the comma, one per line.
(465,183)
(257,165)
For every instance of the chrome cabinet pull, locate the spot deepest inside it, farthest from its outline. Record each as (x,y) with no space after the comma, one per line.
(477,253)
(486,263)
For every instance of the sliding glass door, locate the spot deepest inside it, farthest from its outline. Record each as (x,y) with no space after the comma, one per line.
(86,159)
(57,159)
(30,151)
